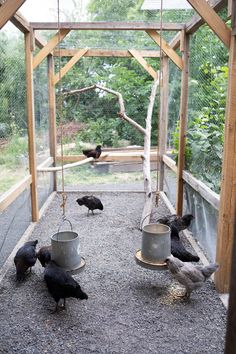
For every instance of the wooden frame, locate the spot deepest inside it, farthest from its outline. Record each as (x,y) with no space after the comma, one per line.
(196,22)
(163,119)
(106,25)
(7,198)
(166,48)
(183,123)
(69,65)
(213,20)
(52,116)
(107,53)
(227,212)
(31,126)
(57,38)
(208,11)
(8,9)
(144,64)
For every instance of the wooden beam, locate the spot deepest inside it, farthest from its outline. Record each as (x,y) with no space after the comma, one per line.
(108,25)
(213,20)
(166,48)
(31,126)
(58,37)
(113,157)
(7,198)
(230,342)
(52,116)
(107,53)
(183,125)
(197,21)
(69,65)
(227,212)
(163,120)
(8,9)
(23,25)
(144,64)
(169,162)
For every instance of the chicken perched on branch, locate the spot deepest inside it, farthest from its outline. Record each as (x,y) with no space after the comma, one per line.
(179,222)
(190,275)
(90,202)
(177,248)
(95,153)
(44,255)
(25,258)
(61,285)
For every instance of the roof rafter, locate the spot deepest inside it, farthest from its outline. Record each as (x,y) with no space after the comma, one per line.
(213,20)
(196,22)
(8,9)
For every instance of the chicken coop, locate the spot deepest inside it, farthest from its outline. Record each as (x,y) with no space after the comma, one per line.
(152,84)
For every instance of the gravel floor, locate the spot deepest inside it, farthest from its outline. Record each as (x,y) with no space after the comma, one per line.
(130,310)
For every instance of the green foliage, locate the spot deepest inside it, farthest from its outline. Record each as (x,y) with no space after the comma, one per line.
(204,143)
(15,153)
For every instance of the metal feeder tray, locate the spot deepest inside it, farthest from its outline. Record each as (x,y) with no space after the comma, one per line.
(147,264)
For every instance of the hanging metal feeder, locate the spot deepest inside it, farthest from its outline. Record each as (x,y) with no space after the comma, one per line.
(155,248)
(66,249)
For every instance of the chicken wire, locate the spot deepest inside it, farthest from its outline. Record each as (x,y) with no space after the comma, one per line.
(13,120)
(14,221)
(41,104)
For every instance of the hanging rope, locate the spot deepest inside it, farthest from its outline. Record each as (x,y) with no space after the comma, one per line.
(159,100)
(64,196)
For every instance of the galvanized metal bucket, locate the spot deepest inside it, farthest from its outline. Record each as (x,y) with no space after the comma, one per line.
(156,244)
(66,248)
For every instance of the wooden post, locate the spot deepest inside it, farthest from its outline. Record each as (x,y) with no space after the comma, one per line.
(31,126)
(183,123)
(228,182)
(163,120)
(230,344)
(52,117)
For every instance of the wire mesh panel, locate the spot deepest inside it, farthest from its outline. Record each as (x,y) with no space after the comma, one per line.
(41,112)
(206,110)
(170,183)
(13,120)
(173,104)
(14,221)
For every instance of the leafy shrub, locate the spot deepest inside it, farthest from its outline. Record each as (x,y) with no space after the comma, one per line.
(205,134)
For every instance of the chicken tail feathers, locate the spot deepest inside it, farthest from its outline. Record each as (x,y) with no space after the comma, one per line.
(210,269)
(184,255)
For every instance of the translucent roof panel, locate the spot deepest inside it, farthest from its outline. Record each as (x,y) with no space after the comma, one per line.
(166,5)
(97,10)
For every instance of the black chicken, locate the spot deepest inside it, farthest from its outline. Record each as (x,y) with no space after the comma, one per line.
(25,258)
(90,202)
(95,153)
(44,255)
(61,285)
(177,248)
(179,222)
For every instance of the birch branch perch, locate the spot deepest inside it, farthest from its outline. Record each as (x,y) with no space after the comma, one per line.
(121,114)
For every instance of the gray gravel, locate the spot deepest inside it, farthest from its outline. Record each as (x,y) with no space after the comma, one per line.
(130,310)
